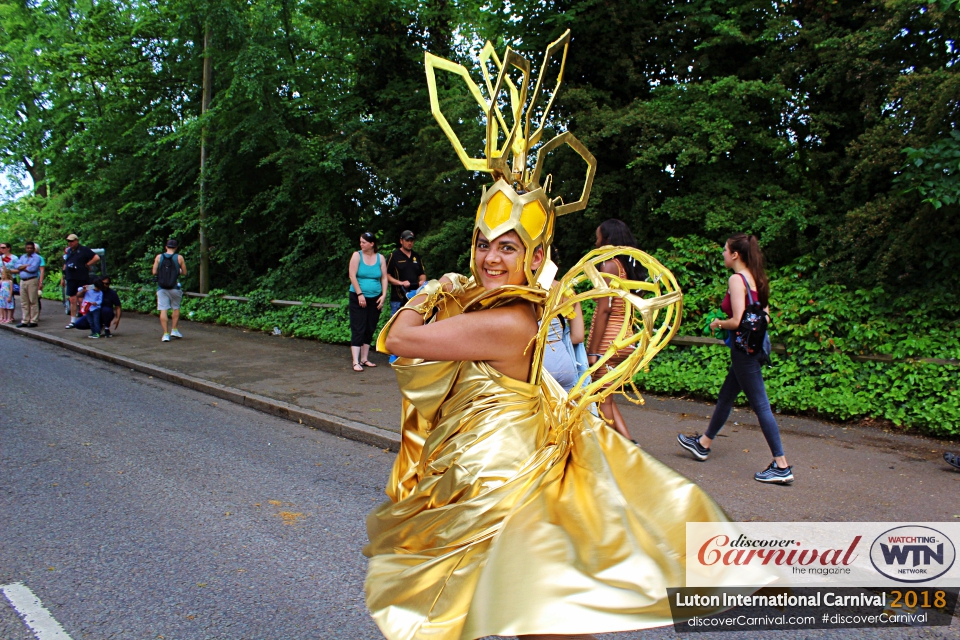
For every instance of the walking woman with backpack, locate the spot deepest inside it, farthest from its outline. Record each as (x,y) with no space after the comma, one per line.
(747,307)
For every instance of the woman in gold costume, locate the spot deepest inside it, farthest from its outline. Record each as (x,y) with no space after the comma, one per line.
(513,510)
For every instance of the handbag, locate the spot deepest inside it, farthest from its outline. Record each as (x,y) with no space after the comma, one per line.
(749,336)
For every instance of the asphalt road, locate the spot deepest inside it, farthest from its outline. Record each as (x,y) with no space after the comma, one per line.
(138,509)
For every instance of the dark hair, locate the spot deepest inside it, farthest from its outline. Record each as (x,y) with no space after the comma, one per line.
(98,284)
(30,243)
(616,233)
(752,256)
(369,237)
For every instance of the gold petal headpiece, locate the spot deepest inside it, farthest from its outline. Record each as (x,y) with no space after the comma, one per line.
(519,200)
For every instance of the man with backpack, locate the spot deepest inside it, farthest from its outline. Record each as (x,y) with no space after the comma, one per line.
(168,267)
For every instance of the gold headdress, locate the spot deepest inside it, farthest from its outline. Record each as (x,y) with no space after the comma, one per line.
(519,200)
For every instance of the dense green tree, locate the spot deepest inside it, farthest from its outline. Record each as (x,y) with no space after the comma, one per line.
(786,119)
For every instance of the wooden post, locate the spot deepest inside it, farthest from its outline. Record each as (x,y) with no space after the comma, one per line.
(204,106)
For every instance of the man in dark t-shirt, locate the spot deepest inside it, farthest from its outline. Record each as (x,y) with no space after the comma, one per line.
(76,269)
(404,271)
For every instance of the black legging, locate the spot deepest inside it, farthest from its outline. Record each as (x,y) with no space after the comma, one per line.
(363,321)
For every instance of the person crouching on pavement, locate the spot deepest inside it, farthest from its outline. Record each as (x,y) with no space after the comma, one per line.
(91,297)
(110,311)
(168,267)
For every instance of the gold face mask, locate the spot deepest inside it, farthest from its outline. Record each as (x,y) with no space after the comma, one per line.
(517,201)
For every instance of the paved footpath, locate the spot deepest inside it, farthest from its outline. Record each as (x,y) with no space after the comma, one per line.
(136,509)
(844,473)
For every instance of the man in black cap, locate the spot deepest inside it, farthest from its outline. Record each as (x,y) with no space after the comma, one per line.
(404,271)
(76,270)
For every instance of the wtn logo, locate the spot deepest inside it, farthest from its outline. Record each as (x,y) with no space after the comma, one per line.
(912,554)
(900,555)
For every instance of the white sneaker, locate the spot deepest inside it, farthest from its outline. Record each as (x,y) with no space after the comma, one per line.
(165,338)
(176,334)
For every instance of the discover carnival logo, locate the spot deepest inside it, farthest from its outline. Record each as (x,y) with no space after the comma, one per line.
(743,551)
(912,554)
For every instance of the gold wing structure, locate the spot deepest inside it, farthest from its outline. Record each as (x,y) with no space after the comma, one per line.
(652,311)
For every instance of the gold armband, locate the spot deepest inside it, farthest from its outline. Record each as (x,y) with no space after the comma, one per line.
(433,290)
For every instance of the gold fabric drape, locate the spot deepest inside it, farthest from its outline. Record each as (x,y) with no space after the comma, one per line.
(503,519)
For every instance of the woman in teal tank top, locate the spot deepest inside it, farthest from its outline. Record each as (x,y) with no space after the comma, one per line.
(368,289)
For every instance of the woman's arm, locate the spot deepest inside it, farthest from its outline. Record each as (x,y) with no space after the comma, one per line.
(577,332)
(352,272)
(383,283)
(498,336)
(738,294)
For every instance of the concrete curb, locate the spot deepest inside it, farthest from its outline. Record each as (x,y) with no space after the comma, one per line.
(358,431)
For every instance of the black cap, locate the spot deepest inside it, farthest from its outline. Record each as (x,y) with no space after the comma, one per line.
(173,244)
(406,235)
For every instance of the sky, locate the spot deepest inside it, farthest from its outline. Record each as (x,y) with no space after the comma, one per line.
(11,187)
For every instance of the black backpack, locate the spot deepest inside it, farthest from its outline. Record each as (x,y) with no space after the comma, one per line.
(753,325)
(168,271)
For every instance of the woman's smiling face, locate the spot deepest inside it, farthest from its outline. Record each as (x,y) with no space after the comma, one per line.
(500,261)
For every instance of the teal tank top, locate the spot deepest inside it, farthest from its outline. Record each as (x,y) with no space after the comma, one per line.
(368,277)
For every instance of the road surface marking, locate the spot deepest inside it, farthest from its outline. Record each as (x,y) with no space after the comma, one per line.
(34,614)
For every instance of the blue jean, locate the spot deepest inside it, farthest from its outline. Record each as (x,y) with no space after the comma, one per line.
(745,375)
(106,317)
(93,317)
(395,306)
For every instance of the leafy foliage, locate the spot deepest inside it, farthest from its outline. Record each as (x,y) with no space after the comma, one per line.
(784,119)
(934,171)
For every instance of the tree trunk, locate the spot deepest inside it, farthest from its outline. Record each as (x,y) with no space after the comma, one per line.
(204,106)
(38,173)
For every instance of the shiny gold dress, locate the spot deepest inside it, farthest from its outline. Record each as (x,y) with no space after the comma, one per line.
(506,517)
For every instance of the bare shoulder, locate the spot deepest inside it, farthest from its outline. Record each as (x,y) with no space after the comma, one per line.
(610,266)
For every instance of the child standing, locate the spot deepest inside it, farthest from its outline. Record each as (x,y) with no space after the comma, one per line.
(6,296)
